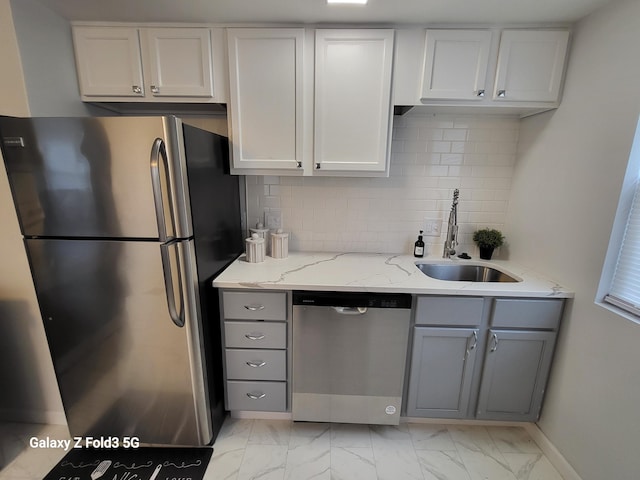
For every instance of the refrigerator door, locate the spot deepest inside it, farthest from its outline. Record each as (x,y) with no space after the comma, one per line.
(97,177)
(124,366)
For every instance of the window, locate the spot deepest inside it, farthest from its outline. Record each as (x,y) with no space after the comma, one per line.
(625,287)
(620,281)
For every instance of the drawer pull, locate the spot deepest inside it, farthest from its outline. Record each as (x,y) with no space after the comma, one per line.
(494,337)
(254,337)
(254,308)
(256,365)
(254,396)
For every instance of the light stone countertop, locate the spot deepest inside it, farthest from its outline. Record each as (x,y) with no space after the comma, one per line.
(370,272)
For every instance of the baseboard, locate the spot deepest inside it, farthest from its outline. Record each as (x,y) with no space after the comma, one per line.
(33,416)
(462,422)
(262,415)
(560,463)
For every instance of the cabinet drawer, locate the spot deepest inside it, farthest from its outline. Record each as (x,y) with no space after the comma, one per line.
(256,364)
(454,311)
(255,305)
(261,396)
(527,313)
(255,335)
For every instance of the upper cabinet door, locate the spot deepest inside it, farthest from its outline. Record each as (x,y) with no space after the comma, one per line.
(108,61)
(530,65)
(455,64)
(266,94)
(179,62)
(352,100)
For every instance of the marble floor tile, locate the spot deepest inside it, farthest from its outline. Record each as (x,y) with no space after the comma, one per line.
(32,464)
(396,460)
(482,466)
(474,439)
(263,462)
(383,434)
(350,435)
(270,432)
(278,450)
(531,466)
(317,434)
(352,463)
(311,461)
(234,434)
(446,465)
(225,464)
(431,437)
(513,440)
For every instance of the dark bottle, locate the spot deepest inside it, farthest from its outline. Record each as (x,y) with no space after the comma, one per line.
(418,248)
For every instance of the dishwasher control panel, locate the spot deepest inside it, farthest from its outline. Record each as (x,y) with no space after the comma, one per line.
(352,299)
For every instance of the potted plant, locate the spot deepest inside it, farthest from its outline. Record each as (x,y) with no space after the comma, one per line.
(487,239)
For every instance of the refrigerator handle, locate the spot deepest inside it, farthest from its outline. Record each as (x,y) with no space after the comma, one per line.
(176,316)
(159,153)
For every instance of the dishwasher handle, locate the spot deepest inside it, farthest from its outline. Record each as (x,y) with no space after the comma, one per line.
(351,310)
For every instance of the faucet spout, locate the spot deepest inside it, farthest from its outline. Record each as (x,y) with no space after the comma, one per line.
(452,228)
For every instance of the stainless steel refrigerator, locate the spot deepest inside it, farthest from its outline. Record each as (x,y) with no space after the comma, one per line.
(125,222)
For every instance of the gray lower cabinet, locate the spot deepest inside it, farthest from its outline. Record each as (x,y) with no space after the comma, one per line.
(496,369)
(256,354)
(514,375)
(442,366)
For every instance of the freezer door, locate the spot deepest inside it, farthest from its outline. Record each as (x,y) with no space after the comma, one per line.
(124,365)
(94,177)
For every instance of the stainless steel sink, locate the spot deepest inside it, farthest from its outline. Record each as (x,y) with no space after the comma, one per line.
(464,272)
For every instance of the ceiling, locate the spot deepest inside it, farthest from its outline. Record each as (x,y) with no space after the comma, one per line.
(317,11)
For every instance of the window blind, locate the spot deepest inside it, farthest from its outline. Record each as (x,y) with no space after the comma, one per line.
(625,287)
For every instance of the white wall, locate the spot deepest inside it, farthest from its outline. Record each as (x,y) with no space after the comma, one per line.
(46,50)
(567,181)
(27,379)
(430,156)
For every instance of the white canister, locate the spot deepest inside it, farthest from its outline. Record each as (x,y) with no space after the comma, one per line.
(255,248)
(262,233)
(279,244)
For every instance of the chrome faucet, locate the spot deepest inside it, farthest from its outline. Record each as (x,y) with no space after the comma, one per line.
(452,228)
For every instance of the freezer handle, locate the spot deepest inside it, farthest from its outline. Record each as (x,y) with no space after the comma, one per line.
(176,316)
(159,153)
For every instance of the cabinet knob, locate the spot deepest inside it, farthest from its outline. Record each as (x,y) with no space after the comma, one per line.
(136,89)
(502,93)
(298,164)
(154,89)
(317,166)
(480,93)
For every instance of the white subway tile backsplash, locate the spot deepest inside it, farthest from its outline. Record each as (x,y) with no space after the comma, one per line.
(459,134)
(439,147)
(430,156)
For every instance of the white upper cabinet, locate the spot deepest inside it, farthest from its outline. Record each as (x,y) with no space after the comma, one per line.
(179,62)
(352,100)
(281,124)
(108,61)
(530,65)
(455,64)
(512,71)
(130,63)
(266,97)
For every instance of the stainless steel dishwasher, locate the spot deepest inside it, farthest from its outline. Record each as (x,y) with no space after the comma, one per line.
(349,356)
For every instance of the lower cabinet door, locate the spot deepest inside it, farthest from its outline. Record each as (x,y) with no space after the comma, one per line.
(515,374)
(441,370)
(260,396)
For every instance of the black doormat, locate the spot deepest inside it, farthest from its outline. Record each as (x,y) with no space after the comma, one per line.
(144,463)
